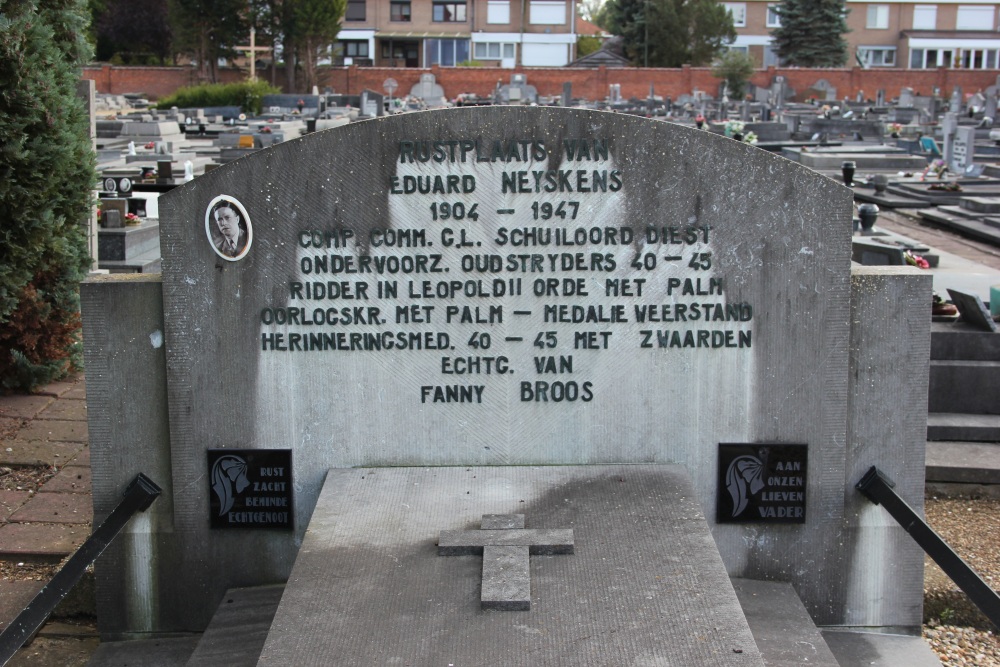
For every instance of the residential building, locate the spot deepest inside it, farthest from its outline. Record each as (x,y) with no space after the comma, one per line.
(423,33)
(890,33)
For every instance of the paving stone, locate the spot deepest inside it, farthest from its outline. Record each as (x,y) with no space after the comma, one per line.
(25,407)
(72,479)
(50,542)
(14,596)
(55,430)
(56,508)
(82,458)
(38,453)
(10,501)
(70,409)
(9,426)
(79,391)
(57,388)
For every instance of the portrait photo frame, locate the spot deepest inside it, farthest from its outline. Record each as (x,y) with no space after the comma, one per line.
(217,240)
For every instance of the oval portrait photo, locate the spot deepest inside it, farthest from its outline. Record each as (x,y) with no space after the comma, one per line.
(228,228)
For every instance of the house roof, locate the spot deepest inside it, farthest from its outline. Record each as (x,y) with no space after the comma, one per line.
(601,57)
(585,27)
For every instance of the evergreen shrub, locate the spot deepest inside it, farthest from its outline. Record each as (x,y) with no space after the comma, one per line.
(47,175)
(247,95)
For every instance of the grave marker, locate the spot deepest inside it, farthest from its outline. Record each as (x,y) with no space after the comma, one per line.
(510,287)
(962,148)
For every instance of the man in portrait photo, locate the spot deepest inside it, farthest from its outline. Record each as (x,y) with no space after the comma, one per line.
(234,233)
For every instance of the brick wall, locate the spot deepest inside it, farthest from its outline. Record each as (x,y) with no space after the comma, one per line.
(592,84)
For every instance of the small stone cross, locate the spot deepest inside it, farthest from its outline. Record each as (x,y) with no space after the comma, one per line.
(505,545)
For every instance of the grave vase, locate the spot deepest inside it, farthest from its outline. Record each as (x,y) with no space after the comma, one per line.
(867,213)
(847,168)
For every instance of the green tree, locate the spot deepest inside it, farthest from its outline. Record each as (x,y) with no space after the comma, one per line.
(735,68)
(208,30)
(587,44)
(136,32)
(671,33)
(811,33)
(315,24)
(46,176)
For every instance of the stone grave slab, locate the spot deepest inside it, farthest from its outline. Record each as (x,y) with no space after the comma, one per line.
(865,159)
(984,229)
(644,583)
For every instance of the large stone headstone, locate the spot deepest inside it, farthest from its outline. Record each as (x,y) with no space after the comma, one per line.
(429,90)
(520,286)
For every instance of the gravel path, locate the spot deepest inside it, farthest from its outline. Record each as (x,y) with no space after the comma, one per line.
(955,629)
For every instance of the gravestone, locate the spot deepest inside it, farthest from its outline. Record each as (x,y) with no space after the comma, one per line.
(517,91)
(906,98)
(372,103)
(429,90)
(962,148)
(567,94)
(956,101)
(527,291)
(990,110)
(949,126)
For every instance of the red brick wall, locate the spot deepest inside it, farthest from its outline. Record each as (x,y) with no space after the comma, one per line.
(592,84)
(155,82)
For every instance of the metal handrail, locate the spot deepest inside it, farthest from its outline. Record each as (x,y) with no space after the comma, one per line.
(139,495)
(877,487)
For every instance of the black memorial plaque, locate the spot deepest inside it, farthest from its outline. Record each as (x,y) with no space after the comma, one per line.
(761,484)
(250,488)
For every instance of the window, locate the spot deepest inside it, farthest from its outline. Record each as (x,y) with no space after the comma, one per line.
(498,11)
(877,56)
(878,17)
(925,17)
(493,50)
(352,48)
(547,13)
(399,10)
(978,58)
(773,20)
(445,52)
(974,18)
(930,58)
(355,10)
(449,12)
(771,58)
(738,10)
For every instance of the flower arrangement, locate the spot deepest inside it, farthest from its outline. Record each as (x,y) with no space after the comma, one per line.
(936,168)
(894,129)
(736,129)
(916,260)
(132,219)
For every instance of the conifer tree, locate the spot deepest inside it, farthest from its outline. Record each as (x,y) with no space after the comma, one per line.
(670,33)
(811,33)
(46,177)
